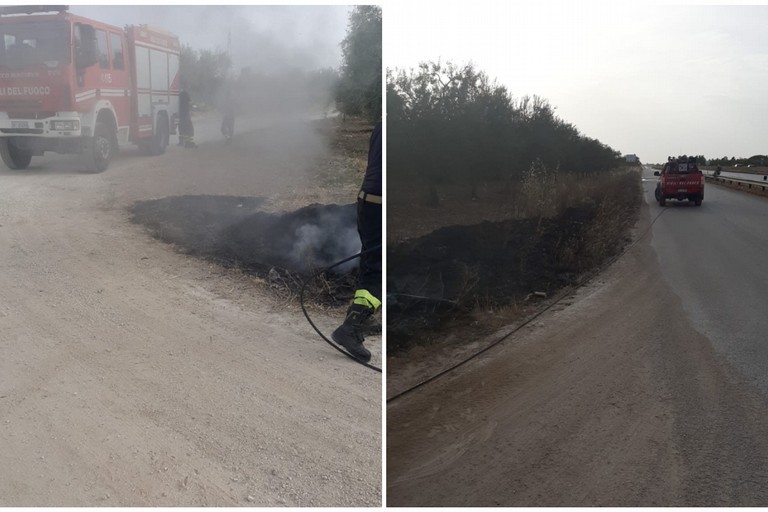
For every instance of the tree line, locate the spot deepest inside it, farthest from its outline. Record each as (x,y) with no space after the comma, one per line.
(358,90)
(452,123)
(725,161)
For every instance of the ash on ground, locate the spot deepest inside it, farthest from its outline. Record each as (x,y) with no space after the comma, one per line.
(281,248)
(440,277)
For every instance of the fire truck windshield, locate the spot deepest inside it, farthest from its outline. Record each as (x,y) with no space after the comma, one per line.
(34,43)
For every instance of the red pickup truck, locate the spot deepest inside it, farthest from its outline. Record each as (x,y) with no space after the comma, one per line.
(680,179)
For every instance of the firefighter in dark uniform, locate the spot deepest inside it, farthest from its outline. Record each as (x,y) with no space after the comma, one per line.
(186,128)
(368,294)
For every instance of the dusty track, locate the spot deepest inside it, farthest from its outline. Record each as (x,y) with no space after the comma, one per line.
(133,375)
(596,404)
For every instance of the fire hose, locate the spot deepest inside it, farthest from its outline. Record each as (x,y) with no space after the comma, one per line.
(301,301)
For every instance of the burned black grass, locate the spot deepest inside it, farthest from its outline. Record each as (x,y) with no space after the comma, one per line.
(285,249)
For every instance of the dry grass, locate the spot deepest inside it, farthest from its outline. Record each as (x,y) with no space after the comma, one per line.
(615,198)
(541,194)
(603,206)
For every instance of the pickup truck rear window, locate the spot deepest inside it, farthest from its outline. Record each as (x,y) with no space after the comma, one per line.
(681,169)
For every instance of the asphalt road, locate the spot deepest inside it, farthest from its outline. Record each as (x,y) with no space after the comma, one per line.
(714,258)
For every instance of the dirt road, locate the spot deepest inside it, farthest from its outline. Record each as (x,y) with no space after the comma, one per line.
(133,375)
(614,400)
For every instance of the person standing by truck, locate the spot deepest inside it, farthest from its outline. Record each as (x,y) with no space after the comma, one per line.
(368,294)
(228,109)
(186,128)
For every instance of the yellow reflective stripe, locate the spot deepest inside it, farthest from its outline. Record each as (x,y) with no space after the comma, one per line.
(366,298)
(365,196)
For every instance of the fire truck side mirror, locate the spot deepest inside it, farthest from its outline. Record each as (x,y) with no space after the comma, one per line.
(86,48)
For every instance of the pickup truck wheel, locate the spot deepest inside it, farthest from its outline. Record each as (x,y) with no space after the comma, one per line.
(698,201)
(662,201)
(99,149)
(15,158)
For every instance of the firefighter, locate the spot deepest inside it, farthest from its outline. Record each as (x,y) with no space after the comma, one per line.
(186,128)
(368,294)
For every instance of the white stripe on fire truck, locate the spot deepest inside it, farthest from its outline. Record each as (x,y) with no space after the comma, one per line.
(145,128)
(158,92)
(85,95)
(158,47)
(104,92)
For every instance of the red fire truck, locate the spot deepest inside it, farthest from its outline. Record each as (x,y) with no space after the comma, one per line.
(69,84)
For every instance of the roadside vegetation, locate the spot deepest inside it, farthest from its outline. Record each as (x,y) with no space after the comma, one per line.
(753,161)
(357,92)
(745,164)
(494,204)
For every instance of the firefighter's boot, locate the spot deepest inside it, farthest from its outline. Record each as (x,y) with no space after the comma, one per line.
(350,334)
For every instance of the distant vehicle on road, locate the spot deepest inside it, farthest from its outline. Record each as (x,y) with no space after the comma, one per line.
(681,178)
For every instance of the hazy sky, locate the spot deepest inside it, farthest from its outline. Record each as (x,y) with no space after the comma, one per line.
(655,80)
(262,36)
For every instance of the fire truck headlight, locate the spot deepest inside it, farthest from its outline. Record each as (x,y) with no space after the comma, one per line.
(65,126)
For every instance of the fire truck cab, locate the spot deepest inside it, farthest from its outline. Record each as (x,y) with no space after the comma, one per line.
(69,84)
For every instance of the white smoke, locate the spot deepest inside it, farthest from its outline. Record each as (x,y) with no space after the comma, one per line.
(324,242)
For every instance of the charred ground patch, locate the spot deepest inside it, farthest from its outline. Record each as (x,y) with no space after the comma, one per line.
(448,272)
(461,278)
(285,248)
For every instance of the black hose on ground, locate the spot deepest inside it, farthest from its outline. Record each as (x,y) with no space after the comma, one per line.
(301,300)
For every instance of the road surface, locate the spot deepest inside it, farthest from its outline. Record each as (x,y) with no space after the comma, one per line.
(715,261)
(648,389)
(133,375)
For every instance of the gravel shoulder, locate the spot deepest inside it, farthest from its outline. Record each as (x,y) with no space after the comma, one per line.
(134,375)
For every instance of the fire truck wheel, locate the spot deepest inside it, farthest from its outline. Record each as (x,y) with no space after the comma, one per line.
(15,158)
(99,151)
(159,142)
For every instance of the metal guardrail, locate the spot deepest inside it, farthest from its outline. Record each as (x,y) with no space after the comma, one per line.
(754,187)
